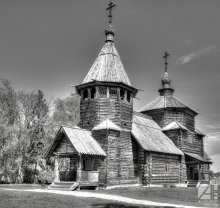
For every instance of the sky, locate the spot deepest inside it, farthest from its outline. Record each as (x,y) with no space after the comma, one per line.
(51,44)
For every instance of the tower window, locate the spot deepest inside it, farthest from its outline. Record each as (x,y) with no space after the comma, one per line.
(93,92)
(103,91)
(129,97)
(122,94)
(85,94)
(113,92)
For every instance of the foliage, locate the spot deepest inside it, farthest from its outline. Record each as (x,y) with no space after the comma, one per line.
(27,128)
(66,111)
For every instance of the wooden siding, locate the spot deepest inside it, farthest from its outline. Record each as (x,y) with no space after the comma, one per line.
(64,146)
(157,168)
(192,143)
(165,169)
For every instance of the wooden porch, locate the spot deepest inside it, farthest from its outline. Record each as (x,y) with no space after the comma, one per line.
(80,169)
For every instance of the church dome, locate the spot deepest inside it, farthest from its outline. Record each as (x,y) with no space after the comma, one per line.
(166,79)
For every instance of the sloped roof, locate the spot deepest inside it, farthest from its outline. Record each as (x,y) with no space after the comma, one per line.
(108,67)
(199,132)
(165,101)
(82,141)
(150,136)
(107,124)
(173,126)
(205,159)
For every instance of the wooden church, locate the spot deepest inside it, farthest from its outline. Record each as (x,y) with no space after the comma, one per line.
(113,145)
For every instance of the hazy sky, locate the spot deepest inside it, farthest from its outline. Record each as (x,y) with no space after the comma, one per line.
(50,44)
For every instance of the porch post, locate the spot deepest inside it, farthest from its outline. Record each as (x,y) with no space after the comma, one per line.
(79,169)
(56,169)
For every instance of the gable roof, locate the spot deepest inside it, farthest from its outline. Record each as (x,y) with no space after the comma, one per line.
(108,67)
(165,101)
(81,139)
(205,159)
(173,126)
(199,132)
(150,136)
(107,124)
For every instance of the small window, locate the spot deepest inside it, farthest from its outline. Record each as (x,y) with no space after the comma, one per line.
(85,94)
(129,97)
(103,91)
(167,167)
(122,94)
(113,92)
(93,92)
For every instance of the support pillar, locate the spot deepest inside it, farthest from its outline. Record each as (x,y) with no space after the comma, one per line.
(56,169)
(79,169)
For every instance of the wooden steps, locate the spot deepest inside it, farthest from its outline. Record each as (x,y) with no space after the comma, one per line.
(63,186)
(192,183)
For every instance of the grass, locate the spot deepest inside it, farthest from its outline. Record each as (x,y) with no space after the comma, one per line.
(182,196)
(22,199)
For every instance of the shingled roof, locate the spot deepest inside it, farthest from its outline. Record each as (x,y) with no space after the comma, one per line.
(108,67)
(165,101)
(81,139)
(205,159)
(150,136)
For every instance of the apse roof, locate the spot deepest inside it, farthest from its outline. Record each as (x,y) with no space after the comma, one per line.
(150,136)
(108,67)
(165,101)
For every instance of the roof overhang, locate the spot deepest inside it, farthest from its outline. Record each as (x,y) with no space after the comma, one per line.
(198,158)
(101,83)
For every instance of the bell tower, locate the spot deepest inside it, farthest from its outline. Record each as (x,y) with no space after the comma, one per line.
(106,94)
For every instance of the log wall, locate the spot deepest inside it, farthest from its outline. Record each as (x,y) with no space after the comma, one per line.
(165,168)
(64,146)
(158,168)
(192,143)
(164,117)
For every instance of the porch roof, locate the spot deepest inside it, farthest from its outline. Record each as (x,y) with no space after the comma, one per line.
(81,139)
(204,159)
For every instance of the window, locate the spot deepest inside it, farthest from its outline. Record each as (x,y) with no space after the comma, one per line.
(103,91)
(113,92)
(129,97)
(85,94)
(93,92)
(122,94)
(167,167)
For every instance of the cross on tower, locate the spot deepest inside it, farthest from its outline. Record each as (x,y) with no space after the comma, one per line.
(166,54)
(110,6)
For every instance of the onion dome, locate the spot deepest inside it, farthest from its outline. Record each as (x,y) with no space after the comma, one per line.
(166,80)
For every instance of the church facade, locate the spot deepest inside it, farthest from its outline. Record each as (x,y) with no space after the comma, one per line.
(114,145)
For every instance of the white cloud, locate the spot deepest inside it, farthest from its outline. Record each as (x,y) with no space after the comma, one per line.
(189,57)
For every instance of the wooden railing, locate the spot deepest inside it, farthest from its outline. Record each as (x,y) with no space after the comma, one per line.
(90,176)
(67,175)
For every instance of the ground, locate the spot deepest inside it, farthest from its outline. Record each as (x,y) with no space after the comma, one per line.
(23,199)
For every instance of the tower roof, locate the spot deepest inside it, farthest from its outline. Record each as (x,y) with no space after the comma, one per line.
(108,66)
(165,101)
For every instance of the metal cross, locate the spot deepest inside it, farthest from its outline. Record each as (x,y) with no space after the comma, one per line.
(110,6)
(166,54)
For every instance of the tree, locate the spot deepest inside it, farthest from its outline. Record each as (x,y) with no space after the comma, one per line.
(66,111)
